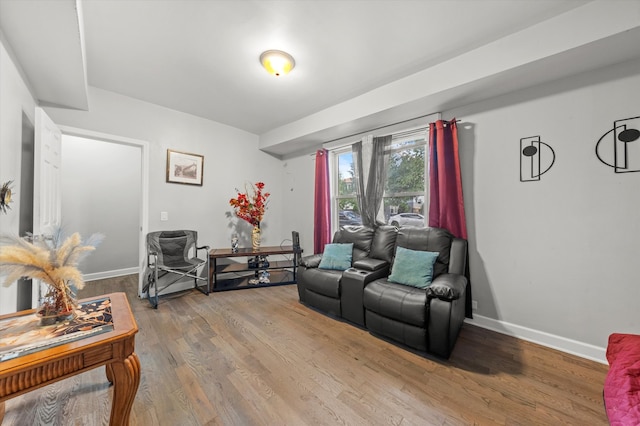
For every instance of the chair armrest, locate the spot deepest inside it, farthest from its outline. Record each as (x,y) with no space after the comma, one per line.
(447,287)
(312,261)
(206,249)
(370,264)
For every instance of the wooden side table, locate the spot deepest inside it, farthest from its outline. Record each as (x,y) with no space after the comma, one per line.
(113,349)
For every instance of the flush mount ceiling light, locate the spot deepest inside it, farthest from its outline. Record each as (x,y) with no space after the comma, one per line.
(277,62)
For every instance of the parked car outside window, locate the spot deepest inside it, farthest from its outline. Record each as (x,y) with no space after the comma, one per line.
(408,219)
(348,217)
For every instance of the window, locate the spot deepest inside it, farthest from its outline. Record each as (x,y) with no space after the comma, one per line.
(346,202)
(405,188)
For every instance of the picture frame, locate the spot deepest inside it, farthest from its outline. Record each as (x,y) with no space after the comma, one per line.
(184,167)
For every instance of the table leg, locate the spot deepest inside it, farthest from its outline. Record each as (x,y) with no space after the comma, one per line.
(1,411)
(109,373)
(215,273)
(125,377)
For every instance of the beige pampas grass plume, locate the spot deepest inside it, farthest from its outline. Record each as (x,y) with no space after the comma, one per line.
(52,263)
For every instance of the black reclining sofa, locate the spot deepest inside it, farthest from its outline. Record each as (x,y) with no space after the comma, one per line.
(426,319)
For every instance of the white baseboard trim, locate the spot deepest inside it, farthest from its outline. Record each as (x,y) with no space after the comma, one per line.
(111,274)
(583,350)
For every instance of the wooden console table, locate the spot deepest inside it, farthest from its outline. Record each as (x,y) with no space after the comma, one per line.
(113,349)
(236,275)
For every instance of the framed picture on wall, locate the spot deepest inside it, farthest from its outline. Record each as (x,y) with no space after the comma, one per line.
(185,168)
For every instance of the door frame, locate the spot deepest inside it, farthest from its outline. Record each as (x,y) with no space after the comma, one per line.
(144,179)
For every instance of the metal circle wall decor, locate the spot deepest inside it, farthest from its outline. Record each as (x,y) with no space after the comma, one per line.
(623,154)
(536,158)
(5,196)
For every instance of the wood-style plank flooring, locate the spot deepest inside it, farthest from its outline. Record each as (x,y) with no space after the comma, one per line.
(259,357)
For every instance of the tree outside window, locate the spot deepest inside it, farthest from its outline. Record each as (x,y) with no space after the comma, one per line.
(347,210)
(406,182)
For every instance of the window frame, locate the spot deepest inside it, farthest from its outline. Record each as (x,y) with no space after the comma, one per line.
(335,182)
(421,138)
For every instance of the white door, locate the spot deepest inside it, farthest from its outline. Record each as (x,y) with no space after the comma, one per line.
(46,183)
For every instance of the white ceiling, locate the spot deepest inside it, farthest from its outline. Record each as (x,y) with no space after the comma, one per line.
(201,56)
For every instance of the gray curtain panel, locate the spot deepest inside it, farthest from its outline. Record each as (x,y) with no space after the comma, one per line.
(377,179)
(370,197)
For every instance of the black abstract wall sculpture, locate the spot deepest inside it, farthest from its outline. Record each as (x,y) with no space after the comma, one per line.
(534,161)
(620,147)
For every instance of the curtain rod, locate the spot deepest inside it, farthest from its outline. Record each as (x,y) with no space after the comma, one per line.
(381,127)
(418,129)
(389,125)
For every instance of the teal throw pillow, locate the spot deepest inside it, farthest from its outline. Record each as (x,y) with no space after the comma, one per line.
(336,257)
(413,267)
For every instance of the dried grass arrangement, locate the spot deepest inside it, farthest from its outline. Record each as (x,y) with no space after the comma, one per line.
(51,261)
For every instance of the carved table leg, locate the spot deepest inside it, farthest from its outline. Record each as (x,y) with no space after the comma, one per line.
(125,377)
(1,411)
(109,373)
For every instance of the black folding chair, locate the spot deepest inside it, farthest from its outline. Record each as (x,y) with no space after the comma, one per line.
(171,257)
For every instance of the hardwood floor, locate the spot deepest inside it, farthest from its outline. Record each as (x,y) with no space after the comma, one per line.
(259,357)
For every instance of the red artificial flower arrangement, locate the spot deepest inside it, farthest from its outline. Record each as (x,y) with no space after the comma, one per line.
(251,204)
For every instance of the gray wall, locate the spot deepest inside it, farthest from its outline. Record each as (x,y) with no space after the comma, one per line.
(560,255)
(231,158)
(101,190)
(553,261)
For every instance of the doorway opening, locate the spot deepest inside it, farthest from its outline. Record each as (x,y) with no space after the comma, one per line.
(105,185)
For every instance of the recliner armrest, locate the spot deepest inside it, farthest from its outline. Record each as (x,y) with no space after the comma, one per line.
(447,287)
(312,261)
(369,264)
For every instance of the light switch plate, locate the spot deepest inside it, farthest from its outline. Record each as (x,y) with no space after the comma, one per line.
(164,216)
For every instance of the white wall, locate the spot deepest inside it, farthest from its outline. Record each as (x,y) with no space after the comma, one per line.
(101,192)
(557,256)
(231,158)
(15,99)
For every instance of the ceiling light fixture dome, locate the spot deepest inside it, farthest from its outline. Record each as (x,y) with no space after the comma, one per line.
(277,62)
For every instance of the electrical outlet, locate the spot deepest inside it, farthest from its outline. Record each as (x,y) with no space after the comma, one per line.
(164,216)
(474,305)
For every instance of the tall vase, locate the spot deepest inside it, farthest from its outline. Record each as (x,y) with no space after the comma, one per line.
(255,237)
(57,305)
